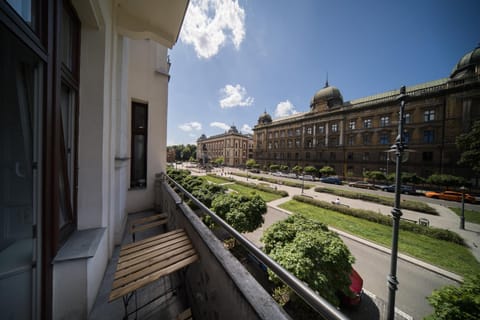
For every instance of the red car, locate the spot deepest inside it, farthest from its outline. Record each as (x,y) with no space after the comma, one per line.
(356,289)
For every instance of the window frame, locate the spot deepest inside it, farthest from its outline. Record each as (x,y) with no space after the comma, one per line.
(135,181)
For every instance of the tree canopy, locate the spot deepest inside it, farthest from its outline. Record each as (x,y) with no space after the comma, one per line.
(469,146)
(457,303)
(310,169)
(327,171)
(251,163)
(312,253)
(243,213)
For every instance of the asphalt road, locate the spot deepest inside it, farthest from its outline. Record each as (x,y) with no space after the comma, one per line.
(415,285)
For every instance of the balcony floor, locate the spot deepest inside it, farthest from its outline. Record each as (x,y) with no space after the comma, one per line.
(168,306)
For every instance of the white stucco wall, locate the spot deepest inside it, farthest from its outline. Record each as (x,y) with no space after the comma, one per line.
(148,83)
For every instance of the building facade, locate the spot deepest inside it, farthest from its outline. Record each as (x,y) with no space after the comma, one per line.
(235,148)
(355,136)
(82,135)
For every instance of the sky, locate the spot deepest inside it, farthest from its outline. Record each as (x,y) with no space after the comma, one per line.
(235,59)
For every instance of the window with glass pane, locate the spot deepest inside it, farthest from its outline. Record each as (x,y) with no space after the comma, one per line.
(408,118)
(138,172)
(428,136)
(351,125)
(384,121)
(429,115)
(367,123)
(26,9)
(334,127)
(384,138)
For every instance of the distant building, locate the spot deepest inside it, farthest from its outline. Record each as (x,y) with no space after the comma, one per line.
(235,147)
(354,136)
(170,155)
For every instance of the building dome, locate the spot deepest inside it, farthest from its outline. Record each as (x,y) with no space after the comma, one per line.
(233,129)
(468,65)
(202,137)
(265,118)
(328,96)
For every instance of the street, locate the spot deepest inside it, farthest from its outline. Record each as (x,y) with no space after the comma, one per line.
(415,285)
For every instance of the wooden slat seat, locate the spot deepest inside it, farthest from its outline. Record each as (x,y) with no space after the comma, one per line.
(146,223)
(144,262)
(185,315)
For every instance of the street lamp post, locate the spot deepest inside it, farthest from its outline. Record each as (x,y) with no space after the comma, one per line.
(462,217)
(396,212)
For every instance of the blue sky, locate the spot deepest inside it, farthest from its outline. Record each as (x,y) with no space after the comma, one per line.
(236,59)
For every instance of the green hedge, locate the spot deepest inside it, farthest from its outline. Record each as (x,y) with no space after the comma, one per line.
(406,204)
(254,186)
(372,216)
(273,180)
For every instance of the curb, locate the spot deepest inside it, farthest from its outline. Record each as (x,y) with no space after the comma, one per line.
(424,265)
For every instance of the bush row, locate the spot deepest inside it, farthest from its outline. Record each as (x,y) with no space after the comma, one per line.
(372,216)
(255,186)
(406,204)
(273,180)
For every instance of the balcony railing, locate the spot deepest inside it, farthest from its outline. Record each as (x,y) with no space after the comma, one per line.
(187,219)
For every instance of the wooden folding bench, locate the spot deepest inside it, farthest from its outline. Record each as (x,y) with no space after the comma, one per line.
(142,224)
(143,262)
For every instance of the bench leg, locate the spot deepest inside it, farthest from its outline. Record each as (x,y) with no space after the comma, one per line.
(126,301)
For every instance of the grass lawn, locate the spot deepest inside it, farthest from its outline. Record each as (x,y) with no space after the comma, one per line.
(215,179)
(266,196)
(470,215)
(449,256)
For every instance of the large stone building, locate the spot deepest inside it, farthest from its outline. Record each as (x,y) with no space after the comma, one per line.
(354,136)
(234,146)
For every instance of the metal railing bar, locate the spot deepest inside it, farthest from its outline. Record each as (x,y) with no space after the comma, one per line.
(319,304)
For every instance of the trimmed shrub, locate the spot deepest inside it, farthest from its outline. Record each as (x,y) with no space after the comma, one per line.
(372,216)
(406,204)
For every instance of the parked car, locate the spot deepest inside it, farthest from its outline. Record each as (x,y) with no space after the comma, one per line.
(356,290)
(332,180)
(308,177)
(362,184)
(254,171)
(450,195)
(403,189)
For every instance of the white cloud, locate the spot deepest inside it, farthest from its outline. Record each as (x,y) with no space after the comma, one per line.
(285,108)
(247,129)
(233,96)
(189,126)
(209,23)
(220,125)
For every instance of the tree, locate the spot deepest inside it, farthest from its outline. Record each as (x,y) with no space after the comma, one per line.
(469,145)
(374,175)
(327,171)
(284,168)
(457,303)
(312,253)
(310,170)
(274,167)
(219,161)
(297,169)
(250,163)
(446,180)
(243,213)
